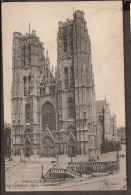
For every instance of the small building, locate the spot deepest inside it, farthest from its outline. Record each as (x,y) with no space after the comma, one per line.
(122,135)
(106,122)
(7,140)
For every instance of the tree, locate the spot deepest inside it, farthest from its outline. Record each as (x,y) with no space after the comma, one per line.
(110,146)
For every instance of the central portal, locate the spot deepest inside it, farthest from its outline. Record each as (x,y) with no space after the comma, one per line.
(71,148)
(27,149)
(47,147)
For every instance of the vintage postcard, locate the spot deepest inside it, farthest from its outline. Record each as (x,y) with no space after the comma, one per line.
(64,106)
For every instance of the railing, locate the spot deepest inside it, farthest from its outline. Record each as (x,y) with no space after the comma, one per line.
(60,170)
(73,173)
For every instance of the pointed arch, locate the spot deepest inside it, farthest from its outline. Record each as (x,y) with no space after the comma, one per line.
(47,146)
(27,146)
(71,76)
(30,84)
(27,113)
(48,116)
(71,146)
(27,131)
(25,85)
(71,128)
(66,77)
(70,107)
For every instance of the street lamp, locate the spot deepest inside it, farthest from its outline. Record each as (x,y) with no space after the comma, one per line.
(42,172)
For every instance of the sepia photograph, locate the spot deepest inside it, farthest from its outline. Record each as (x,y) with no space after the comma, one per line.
(64,96)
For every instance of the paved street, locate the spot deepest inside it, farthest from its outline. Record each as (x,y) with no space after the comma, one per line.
(27,176)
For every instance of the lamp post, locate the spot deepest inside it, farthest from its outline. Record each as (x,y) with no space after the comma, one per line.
(42,172)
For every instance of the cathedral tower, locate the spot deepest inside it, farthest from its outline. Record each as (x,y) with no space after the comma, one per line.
(76,86)
(27,65)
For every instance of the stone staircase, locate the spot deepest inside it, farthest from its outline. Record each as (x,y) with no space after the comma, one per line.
(60,170)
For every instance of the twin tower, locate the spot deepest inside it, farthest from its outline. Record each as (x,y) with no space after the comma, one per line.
(54,113)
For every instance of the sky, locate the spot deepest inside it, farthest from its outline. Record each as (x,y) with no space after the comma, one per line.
(105,28)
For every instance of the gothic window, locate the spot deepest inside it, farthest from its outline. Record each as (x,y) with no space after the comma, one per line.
(29,79)
(101,120)
(66,78)
(43,90)
(70,107)
(24,60)
(29,54)
(27,113)
(24,54)
(65,46)
(25,86)
(53,88)
(48,116)
(71,77)
(64,40)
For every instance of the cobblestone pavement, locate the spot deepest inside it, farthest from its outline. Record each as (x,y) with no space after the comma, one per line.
(27,176)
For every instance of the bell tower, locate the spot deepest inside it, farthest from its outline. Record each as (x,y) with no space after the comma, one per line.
(28,63)
(76,81)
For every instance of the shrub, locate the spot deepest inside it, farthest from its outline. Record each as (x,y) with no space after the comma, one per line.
(110,146)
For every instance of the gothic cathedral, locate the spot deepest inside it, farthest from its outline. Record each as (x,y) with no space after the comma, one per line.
(54,113)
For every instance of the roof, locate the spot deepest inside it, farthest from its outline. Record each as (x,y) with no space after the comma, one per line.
(99,105)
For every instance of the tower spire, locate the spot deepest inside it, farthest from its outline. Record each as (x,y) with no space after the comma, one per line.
(29,28)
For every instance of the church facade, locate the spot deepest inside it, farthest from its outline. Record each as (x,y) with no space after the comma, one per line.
(54,113)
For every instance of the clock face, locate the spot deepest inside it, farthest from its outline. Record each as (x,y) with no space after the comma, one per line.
(101,120)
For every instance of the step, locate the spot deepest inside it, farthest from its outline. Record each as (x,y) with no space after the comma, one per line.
(62,171)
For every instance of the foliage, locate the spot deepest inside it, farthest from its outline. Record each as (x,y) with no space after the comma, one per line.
(110,146)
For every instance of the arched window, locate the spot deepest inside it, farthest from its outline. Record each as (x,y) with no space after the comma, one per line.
(27,113)
(48,116)
(64,40)
(70,107)
(101,120)
(30,84)
(72,77)
(66,78)
(25,86)
(29,54)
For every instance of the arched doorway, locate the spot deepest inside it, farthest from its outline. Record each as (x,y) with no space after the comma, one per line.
(71,147)
(48,116)
(47,147)
(27,148)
